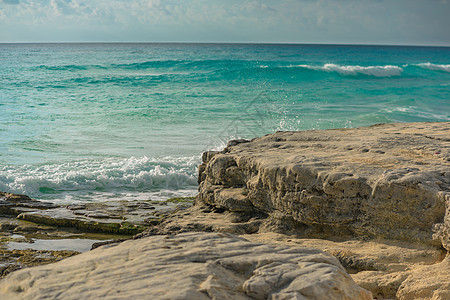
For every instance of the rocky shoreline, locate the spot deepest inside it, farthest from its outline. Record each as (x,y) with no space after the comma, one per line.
(348,213)
(35,232)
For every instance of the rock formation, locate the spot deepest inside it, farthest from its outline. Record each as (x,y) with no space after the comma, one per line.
(378,265)
(384,181)
(188,266)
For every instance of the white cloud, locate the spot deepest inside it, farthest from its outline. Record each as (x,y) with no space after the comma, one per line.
(14,2)
(249,20)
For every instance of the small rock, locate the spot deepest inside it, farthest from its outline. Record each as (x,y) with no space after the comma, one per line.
(96,214)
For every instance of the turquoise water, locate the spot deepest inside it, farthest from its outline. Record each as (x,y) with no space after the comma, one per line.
(92,122)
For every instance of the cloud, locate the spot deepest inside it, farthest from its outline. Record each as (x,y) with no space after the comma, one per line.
(14,2)
(308,21)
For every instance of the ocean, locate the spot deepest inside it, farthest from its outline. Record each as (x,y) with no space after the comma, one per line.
(98,122)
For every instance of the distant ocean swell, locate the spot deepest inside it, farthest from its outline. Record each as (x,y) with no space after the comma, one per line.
(153,73)
(377,71)
(171,69)
(53,180)
(202,66)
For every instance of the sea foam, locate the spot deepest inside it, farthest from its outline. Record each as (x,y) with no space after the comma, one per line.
(106,175)
(378,71)
(434,67)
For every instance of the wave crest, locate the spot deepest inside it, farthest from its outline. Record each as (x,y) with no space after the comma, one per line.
(434,67)
(377,71)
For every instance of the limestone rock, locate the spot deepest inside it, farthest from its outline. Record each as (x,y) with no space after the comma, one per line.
(442,230)
(380,266)
(188,266)
(383,181)
(427,282)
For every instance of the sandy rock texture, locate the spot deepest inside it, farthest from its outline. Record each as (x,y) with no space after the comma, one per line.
(427,282)
(188,266)
(384,181)
(378,265)
(377,198)
(389,269)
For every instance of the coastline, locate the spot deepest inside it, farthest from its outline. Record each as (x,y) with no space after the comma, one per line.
(376,198)
(36,232)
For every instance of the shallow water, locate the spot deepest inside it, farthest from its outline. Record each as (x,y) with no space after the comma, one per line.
(79,245)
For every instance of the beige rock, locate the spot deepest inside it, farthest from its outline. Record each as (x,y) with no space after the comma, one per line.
(377,198)
(188,266)
(427,282)
(442,230)
(378,265)
(384,181)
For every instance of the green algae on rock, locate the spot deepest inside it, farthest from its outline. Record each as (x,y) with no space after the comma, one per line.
(61,217)
(112,217)
(12,260)
(31,229)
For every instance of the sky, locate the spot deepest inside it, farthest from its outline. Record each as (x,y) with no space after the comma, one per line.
(392,22)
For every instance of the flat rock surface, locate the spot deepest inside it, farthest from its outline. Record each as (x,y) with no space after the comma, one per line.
(58,231)
(24,244)
(383,181)
(115,217)
(378,265)
(188,266)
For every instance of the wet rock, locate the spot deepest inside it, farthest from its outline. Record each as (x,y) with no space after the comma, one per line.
(115,217)
(63,217)
(51,227)
(76,207)
(13,204)
(25,244)
(97,215)
(13,260)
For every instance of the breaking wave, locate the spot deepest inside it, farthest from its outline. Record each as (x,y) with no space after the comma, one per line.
(377,71)
(434,67)
(54,180)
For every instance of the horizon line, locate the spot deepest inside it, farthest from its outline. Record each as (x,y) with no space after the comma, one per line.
(233,43)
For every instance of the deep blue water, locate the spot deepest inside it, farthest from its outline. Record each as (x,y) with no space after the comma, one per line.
(91,122)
